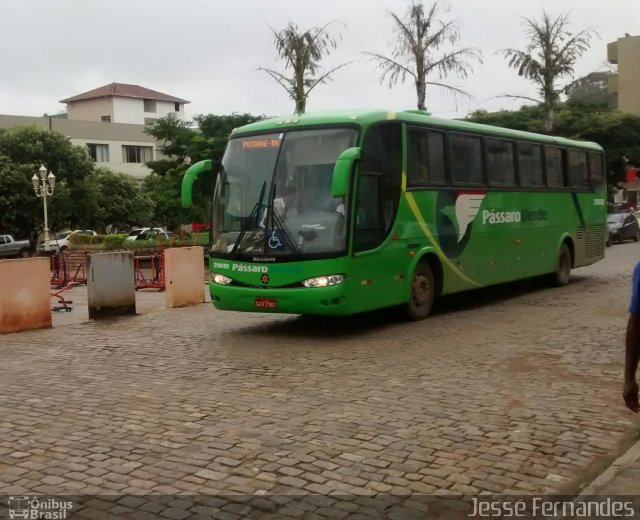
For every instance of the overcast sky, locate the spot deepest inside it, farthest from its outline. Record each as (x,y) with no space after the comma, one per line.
(207,51)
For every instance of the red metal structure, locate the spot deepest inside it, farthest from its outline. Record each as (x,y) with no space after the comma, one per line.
(68,267)
(156,279)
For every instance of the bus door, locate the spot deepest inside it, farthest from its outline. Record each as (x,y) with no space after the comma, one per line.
(379,256)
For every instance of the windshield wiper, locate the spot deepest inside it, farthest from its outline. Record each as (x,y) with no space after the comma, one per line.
(255,213)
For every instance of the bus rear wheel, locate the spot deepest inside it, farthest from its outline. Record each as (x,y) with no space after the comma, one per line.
(563,267)
(423,290)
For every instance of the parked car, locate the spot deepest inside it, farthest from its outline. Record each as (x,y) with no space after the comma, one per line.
(619,207)
(149,234)
(10,247)
(622,226)
(60,241)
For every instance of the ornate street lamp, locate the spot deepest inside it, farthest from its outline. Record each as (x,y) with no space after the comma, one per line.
(44,187)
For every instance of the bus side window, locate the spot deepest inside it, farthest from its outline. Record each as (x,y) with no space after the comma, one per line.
(379,184)
(530,164)
(555,167)
(578,174)
(595,169)
(425,157)
(465,158)
(500,163)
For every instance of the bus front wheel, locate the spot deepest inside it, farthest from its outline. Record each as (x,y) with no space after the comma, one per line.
(422,292)
(563,267)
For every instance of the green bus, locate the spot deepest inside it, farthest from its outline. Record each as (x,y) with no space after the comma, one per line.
(345,212)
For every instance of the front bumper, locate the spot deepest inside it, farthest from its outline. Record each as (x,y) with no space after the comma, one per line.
(318,300)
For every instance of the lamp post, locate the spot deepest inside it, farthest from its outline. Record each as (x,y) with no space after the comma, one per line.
(44,186)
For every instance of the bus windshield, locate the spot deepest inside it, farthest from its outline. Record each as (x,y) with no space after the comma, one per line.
(273,195)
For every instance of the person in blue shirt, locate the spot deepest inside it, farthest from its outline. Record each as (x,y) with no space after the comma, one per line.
(630,392)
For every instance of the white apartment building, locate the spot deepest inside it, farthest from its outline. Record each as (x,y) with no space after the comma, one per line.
(109,121)
(123,103)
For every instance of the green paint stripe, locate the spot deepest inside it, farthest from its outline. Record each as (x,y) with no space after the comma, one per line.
(423,225)
(576,203)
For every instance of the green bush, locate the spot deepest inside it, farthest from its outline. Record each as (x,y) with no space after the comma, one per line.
(108,242)
(114,241)
(78,239)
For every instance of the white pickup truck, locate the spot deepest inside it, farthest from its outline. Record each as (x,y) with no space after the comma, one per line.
(10,247)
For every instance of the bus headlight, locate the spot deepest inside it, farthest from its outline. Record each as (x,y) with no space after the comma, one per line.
(220,279)
(324,281)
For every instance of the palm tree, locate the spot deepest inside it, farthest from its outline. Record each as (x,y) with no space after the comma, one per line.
(302,53)
(419,36)
(550,54)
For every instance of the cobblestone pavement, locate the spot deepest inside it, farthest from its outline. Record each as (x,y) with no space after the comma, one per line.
(514,389)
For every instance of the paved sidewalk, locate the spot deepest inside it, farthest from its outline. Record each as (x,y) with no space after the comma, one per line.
(621,478)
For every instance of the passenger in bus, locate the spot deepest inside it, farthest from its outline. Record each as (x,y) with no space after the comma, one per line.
(286,205)
(630,391)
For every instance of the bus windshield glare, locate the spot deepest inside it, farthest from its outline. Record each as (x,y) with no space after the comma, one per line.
(273,195)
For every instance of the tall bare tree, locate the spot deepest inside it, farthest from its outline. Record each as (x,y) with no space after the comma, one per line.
(550,55)
(302,53)
(419,35)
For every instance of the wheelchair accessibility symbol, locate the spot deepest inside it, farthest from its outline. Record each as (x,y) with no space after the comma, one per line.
(275,240)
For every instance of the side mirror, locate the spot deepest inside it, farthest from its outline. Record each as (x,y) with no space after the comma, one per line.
(190,177)
(341,171)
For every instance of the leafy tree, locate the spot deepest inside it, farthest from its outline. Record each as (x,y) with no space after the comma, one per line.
(164,193)
(591,90)
(528,118)
(120,202)
(419,37)
(18,208)
(551,54)
(176,140)
(22,151)
(302,53)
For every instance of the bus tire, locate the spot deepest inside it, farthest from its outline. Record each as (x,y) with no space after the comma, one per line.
(423,291)
(563,267)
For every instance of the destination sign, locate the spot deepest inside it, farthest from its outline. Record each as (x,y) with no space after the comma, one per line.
(257,144)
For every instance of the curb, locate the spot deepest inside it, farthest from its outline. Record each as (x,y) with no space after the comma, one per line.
(631,456)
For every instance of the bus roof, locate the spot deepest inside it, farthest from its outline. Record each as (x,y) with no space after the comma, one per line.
(367,117)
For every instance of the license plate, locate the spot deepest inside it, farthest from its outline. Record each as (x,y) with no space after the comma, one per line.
(266,303)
